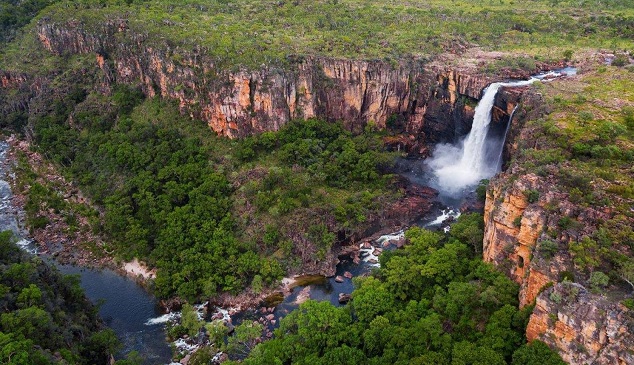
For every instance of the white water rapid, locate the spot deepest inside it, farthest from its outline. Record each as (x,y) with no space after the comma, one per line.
(461,166)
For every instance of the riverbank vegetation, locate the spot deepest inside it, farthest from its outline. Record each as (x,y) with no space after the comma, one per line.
(44,316)
(434,302)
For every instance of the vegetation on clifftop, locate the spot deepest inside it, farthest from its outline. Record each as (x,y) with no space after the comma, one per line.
(582,149)
(253,33)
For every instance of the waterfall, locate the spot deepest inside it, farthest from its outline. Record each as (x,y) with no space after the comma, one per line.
(506,132)
(461,166)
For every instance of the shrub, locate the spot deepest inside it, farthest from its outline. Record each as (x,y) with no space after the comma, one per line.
(532,195)
(621,60)
(628,117)
(564,223)
(567,276)
(598,280)
(548,248)
(481,190)
(257,284)
(555,297)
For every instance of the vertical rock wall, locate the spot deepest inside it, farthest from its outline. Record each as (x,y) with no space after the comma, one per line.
(428,104)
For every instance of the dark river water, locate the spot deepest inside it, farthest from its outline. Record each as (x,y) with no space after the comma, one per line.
(125,306)
(128,309)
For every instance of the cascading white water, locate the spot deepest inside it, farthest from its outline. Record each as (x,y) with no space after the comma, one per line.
(506,132)
(460,166)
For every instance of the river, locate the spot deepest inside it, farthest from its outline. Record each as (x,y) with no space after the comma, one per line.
(124,305)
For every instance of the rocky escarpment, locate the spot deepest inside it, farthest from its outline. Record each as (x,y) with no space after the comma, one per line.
(423,103)
(521,213)
(13,81)
(588,328)
(531,226)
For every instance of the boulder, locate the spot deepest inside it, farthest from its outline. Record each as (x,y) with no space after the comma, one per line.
(339,279)
(344,298)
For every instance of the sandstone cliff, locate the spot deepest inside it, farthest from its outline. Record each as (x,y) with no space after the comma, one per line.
(426,103)
(588,328)
(531,223)
(585,328)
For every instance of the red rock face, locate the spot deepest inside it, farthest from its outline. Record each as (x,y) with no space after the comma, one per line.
(11,80)
(587,328)
(243,102)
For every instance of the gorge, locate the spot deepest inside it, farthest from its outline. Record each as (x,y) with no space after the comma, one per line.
(126,102)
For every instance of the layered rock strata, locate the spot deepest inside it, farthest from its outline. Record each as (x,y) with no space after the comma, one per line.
(426,104)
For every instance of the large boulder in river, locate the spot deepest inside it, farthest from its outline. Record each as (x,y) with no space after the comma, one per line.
(344,298)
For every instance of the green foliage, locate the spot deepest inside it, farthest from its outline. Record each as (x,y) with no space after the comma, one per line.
(548,248)
(14,14)
(245,338)
(629,303)
(257,284)
(431,303)
(621,60)
(326,149)
(44,313)
(532,195)
(626,272)
(481,190)
(536,353)
(628,118)
(190,320)
(511,63)
(586,253)
(217,331)
(598,280)
(469,229)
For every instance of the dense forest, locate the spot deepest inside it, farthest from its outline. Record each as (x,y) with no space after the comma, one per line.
(174,194)
(45,317)
(435,302)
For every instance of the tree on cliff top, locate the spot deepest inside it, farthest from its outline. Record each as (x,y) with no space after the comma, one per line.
(626,272)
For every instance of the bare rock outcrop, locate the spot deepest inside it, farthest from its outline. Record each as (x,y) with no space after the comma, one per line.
(587,328)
